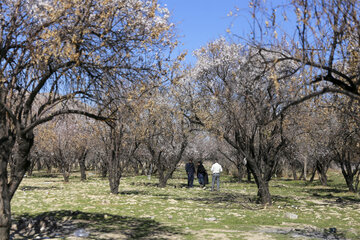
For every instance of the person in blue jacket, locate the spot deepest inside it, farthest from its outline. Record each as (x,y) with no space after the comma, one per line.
(190,171)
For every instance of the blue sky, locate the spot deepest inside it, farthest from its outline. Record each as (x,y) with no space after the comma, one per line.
(201,21)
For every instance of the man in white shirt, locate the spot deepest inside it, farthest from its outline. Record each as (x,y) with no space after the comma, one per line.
(216,169)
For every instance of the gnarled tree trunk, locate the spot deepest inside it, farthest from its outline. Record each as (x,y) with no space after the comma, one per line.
(82,158)
(348,169)
(20,154)
(264,196)
(114,169)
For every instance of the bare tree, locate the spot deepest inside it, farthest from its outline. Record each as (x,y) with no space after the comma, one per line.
(319,38)
(165,133)
(344,141)
(69,50)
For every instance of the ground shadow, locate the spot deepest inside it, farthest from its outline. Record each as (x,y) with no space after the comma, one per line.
(287,200)
(229,200)
(133,192)
(327,190)
(31,188)
(235,179)
(62,224)
(329,196)
(45,175)
(149,184)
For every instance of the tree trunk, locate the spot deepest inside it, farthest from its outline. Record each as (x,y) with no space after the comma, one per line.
(313,175)
(263,186)
(48,167)
(114,177)
(248,173)
(30,170)
(348,173)
(240,172)
(20,156)
(294,173)
(82,172)
(114,183)
(264,192)
(38,165)
(302,175)
(162,180)
(357,181)
(114,171)
(160,168)
(350,183)
(66,175)
(226,170)
(65,169)
(165,176)
(305,169)
(322,170)
(5,211)
(103,169)
(323,179)
(82,165)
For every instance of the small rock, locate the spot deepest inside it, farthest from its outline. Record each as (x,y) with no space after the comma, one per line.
(210,219)
(30,225)
(81,233)
(291,215)
(42,226)
(14,226)
(66,218)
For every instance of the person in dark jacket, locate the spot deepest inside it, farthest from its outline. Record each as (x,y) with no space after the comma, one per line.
(190,171)
(201,174)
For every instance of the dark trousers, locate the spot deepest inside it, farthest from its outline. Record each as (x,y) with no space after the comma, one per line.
(201,179)
(190,179)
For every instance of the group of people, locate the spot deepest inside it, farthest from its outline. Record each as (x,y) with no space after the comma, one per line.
(202,175)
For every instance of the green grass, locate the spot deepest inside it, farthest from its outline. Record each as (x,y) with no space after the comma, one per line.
(143,211)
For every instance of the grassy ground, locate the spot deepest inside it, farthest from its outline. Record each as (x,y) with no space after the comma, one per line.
(144,211)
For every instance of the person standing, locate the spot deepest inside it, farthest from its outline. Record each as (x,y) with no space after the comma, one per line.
(216,169)
(201,172)
(190,171)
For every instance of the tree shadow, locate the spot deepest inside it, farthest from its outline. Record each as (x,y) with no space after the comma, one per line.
(150,184)
(45,175)
(327,191)
(236,180)
(351,199)
(32,188)
(63,224)
(177,185)
(133,192)
(231,200)
(330,198)
(284,199)
(136,192)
